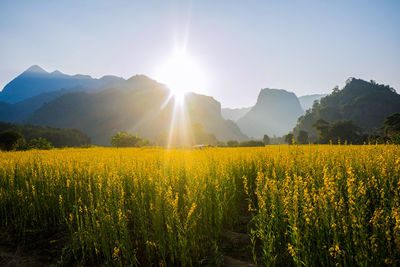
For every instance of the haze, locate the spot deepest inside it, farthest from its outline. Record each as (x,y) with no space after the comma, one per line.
(302,46)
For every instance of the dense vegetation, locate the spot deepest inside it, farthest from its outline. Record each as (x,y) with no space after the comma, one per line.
(365,104)
(57,137)
(306,205)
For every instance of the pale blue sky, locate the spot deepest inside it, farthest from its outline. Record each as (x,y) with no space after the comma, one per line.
(302,46)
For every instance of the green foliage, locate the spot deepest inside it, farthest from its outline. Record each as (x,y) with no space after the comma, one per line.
(145,142)
(367,104)
(124,139)
(232,143)
(395,139)
(289,138)
(303,206)
(251,143)
(302,138)
(10,140)
(57,137)
(338,132)
(40,143)
(266,139)
(392,124)
(221,144)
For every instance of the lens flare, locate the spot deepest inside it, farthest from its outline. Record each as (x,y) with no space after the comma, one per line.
(181,74)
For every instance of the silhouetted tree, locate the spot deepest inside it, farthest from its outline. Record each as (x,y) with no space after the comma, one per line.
(289,138)
(221,144)
(57,137)
(40,143)
(338,131)
(124,139)
(392,124)
(302,138)
(266,139)
(323,130)
(251,143)
(10,140)
(232,143)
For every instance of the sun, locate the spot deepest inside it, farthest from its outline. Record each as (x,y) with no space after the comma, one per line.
(181,74)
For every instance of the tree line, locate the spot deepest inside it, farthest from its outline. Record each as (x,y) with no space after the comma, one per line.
(23,137)
(346,131)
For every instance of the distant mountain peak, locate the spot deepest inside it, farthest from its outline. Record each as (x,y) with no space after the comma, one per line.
(272,95)
(275,113)
(35,69)
(57,72)
(140,77)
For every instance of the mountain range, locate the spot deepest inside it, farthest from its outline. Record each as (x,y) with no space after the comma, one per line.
(101,107)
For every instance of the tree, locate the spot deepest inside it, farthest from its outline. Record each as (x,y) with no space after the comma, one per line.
(124,139)
(338,131)
(392,124)
(289,138)
(323,130)
(40,143)
(10,140)
(221,144)
(266,139)
(232,143)
(251,143)
(302,137)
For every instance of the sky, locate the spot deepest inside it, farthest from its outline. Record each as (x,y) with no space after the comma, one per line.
(303,46)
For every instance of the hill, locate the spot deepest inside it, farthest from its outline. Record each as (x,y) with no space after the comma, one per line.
(20,111)
(148,112)
(275,113)
(367,104)
(35,81)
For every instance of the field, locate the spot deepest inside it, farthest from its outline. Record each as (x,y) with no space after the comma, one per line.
(299,205)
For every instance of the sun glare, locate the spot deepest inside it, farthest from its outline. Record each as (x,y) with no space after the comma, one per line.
(181,74)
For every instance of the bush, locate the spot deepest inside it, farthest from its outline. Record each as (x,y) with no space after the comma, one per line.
(124,139)
(10,140)
(232,143)
(251,143)
(40,143)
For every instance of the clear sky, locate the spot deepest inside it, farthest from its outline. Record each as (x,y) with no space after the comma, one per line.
(302,46)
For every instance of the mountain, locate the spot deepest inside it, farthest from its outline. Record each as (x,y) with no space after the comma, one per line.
(234,113)
(20,111)
(367,104)
(141,106)
(307,101)
(35,81)
(275,113)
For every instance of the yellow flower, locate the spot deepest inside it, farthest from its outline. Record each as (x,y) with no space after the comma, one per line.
(291,250)
(115,253)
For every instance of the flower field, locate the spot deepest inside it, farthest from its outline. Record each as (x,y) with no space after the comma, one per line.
(306,205)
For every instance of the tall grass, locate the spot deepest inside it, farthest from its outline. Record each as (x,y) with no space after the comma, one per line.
(311,205)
